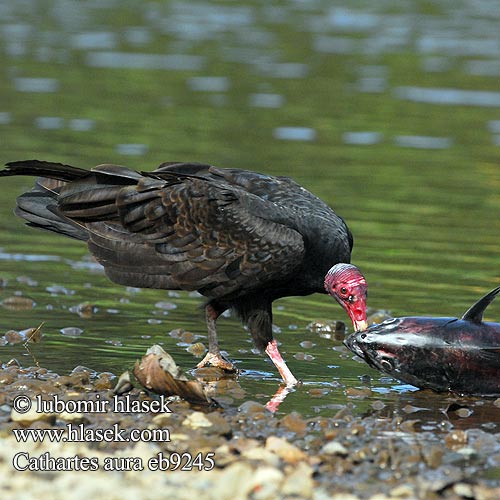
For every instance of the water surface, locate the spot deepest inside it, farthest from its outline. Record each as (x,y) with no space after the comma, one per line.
(385,111)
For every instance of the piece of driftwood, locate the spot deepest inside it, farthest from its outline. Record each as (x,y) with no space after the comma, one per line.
(158,372)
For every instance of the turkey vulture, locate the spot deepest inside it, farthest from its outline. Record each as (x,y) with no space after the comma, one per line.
(240,238)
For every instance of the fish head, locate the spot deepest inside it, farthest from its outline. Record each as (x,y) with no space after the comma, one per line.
(379,349)
(417,350)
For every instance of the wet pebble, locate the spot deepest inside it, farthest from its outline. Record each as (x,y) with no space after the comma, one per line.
(13,337)
(27,280)
(59,290)
(456,439)
(18,303)
(116,343)
(378,316)
(124,384)
(197,349)
(196,420)
(104,381)
(84,310)
(326,328)
(6,377)
(176,333)
(187,337)
(71,331)
(153,321)
(301,356)
(307,344)
(294,423)
(166,306)
(378,405)
(354,392)
(318,393)
(252,407)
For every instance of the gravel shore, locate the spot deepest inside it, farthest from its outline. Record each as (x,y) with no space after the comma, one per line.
(236,452)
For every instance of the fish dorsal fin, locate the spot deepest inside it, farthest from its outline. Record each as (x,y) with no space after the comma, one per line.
(475,312)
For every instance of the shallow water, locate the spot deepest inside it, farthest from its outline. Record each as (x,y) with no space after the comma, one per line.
(384,111)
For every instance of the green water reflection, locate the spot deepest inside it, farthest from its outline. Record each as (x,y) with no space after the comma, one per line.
(424,214)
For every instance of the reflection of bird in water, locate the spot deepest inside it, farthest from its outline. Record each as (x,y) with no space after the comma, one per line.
(240,238)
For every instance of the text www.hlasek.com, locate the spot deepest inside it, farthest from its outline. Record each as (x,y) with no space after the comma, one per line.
(80,433)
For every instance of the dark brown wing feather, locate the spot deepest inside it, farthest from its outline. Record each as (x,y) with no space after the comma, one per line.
(224,232)
(180,232)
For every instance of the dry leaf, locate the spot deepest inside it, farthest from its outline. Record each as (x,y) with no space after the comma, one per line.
(158,372)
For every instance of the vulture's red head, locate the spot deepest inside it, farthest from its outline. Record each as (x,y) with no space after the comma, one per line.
(348,286)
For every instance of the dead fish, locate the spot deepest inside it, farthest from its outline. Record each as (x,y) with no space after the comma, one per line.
(443,354)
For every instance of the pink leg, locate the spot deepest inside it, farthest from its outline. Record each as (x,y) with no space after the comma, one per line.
(279,362)
(273,404)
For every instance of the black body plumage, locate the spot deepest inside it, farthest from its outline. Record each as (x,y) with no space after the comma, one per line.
(240,238)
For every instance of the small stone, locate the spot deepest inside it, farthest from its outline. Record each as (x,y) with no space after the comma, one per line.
(409,425)
(378,405)
(235,482)
(6,377)
(166,306)
(162,419)
(197,349)
(327,329)
(266,482)
(13,337)
(464,412)
(456,439)
(187,337)
(285,450)
(347,496)
(299,483)
(84,310)
(18,303)
(467,452)
(252,407)
(403,491)
(220,426)
(71,331)
(75,417)
(464,490)
(176,333)
(334,448)
(433,455)
(262,455)
(104,381)
(196,420)
(355,392)
(31,416)
(123,385)
(295,423)
(307,344)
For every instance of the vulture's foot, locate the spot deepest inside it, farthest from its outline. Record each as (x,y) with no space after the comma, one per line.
(218,361)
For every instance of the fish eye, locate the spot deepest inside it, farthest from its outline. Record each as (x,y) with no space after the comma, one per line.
(343,290)
(387,365)
(362,336)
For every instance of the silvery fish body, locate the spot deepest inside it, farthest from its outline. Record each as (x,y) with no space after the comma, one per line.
(443,354)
